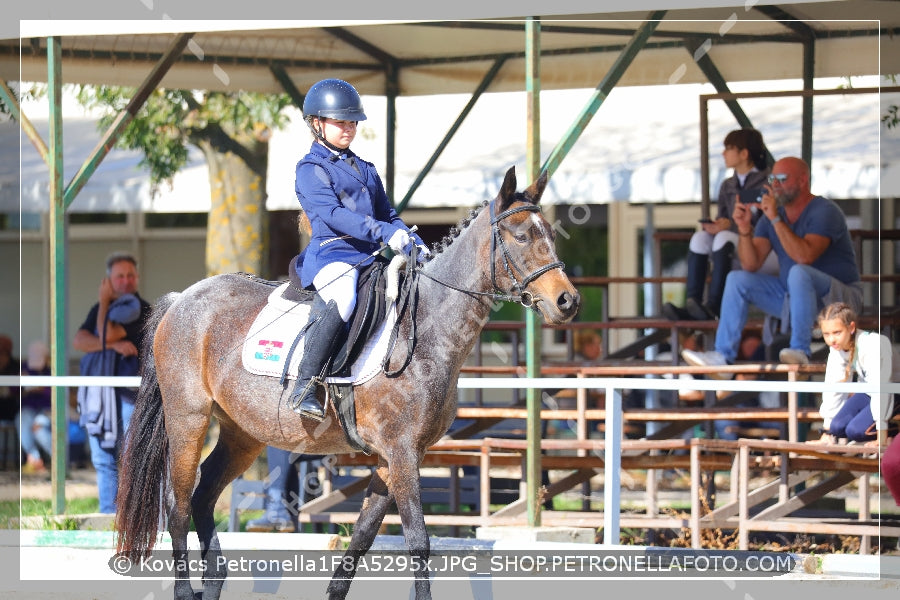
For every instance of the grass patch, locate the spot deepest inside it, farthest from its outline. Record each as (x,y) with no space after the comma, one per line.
(10,511)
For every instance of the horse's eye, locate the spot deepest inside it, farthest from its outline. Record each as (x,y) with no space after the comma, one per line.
(521,238)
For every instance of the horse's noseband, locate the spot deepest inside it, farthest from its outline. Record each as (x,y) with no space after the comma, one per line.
(518,292)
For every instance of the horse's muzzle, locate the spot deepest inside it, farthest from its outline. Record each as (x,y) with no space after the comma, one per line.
(567,304)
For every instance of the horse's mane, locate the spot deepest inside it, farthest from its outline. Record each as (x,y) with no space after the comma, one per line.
(457,229)
(463,223)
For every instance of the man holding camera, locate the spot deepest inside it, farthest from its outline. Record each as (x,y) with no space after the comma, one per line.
(817,266)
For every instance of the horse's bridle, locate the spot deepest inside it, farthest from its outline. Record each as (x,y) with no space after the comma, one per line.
(518,293)
(522,296)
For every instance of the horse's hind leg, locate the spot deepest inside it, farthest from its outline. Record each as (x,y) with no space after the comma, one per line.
(375,506)
(235,451)
(186,432)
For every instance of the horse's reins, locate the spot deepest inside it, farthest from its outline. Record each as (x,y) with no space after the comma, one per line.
(518,293)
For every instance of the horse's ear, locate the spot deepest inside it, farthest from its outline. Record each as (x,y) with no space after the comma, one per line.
(536,189)
(508,189)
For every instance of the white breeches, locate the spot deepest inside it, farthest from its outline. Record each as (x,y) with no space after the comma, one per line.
(705,243)
(337,281)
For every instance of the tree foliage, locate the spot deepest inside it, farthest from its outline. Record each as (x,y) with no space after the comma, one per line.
(170,120)
(232,130)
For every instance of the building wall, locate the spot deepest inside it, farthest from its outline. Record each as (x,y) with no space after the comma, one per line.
(167,260)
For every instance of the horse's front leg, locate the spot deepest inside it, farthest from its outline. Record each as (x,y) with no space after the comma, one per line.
(374,507)
(407,495)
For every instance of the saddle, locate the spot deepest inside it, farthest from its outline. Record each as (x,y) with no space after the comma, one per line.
(299,304)
(368,315)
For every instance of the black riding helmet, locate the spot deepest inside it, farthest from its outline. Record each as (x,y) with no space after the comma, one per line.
(332,99)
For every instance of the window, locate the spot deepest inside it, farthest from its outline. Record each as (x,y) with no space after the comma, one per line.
(175,220)
(16,221)
(98,218)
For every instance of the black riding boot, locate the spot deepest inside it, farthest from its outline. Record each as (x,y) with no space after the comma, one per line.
(698,265)
(721,265)
(280,484)
(321,339)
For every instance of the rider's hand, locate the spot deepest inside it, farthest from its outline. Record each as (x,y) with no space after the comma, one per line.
(400,241)
(423,253)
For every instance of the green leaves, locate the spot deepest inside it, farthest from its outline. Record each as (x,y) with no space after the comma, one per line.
(170,120)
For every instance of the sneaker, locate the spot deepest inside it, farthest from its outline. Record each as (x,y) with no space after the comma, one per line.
(792,356)
(698,311)
(707,359)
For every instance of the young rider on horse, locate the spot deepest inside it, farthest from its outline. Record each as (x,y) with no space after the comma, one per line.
(351,217)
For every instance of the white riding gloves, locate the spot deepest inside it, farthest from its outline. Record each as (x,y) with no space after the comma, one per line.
(400,241)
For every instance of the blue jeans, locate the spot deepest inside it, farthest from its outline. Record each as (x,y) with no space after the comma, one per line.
(34,432)
(806,287)
(853,419)
(105,459)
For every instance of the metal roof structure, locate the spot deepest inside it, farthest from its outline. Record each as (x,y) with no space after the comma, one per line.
(758,42)
(717,41)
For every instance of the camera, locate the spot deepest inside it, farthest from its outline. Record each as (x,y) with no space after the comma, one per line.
(752,196)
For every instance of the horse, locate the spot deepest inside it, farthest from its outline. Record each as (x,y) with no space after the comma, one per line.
(502,250)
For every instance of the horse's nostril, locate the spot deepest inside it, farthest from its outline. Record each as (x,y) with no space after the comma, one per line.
(567,301)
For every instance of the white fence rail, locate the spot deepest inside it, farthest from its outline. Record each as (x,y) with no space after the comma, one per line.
(613,386)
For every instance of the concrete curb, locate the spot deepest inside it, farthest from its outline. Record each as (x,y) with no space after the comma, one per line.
(808,565)
(31,538)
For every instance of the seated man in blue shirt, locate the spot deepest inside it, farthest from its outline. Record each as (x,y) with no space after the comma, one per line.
(817,265)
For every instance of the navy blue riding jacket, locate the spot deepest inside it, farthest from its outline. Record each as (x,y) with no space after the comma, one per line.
(349,211)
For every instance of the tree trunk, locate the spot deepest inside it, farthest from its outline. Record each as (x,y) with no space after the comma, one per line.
(237,236)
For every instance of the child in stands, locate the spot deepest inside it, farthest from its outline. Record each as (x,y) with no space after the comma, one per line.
(862,356)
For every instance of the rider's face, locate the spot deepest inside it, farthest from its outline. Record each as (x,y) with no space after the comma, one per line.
(339,133)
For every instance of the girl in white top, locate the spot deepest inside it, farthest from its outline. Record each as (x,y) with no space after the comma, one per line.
(856,417)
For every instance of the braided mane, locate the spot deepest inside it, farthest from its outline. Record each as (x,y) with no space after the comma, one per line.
(454,232)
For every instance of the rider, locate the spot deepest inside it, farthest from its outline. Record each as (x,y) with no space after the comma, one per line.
(351,217)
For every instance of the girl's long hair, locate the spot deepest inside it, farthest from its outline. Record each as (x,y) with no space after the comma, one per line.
(847,316)
(751,140)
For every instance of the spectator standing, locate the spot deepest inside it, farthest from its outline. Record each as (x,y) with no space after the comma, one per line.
(817,266)
(111,338)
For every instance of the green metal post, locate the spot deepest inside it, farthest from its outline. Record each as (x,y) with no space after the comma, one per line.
(532,322)
(58,344)
(637,41)
(485,82)
(392,90)
(126,116)
(15,110)
(809,68)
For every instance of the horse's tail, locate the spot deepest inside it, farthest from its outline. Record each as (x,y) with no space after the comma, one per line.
(143,480)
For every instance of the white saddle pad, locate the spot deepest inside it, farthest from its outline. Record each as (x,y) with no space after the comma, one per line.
(276,327)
